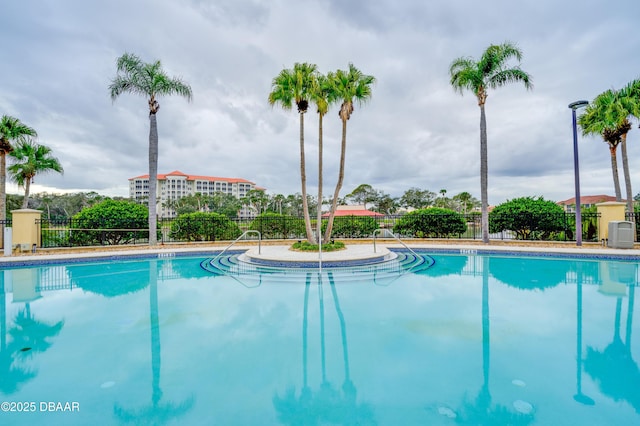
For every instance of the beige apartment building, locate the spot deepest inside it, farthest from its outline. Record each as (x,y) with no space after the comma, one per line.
(175,185)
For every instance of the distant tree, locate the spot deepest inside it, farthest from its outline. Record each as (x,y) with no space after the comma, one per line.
(277,202)
(528,217)
(363,194)
(14,202)
(417,198)
(29,160)
(257,199)
(149,80)
(385,204)
(491,71)
(465,202)
(224,203)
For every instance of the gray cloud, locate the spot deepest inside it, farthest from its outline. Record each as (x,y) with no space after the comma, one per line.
(58,59)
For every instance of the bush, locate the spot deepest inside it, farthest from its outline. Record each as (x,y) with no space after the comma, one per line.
(114,221)
(431,223)
(529,218)
(351,226)
(307,246)
(201,226)
(274,225)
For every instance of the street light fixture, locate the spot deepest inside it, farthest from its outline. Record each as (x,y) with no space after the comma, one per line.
(574,106)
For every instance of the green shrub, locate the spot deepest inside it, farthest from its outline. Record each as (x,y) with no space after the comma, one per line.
(274,225)
(351,226)
(530,218)
(307,246)
(201,226)
(114,221)
(431,223)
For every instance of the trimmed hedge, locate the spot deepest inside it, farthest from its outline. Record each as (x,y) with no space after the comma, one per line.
(201,226)
(280,226)
(431,223)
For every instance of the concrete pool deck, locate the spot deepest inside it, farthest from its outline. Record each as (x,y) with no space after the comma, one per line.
(280,251)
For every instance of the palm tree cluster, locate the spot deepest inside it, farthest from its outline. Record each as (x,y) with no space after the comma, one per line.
(304,84)
(609,115)
(28,157)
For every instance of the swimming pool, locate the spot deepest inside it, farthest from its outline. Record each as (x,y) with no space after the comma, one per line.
(473,339)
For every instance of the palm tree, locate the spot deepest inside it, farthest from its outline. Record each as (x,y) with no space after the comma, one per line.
(627,105)
(322,96)
(596,120)
(295,86)
(348,86)
(11,129)
(31,159)
(149,80)
(490,72)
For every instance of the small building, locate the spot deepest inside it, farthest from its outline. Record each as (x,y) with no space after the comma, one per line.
(586,201)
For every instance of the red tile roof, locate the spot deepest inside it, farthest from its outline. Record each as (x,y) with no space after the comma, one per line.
(589,199)
(354,213)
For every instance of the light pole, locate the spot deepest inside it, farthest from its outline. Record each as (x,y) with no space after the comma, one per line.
(574,106)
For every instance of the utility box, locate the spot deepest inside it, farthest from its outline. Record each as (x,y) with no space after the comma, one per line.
(621,234)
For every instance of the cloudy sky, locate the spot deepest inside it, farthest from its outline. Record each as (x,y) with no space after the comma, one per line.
(58,58)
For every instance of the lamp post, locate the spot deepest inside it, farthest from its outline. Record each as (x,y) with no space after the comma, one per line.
(574,106)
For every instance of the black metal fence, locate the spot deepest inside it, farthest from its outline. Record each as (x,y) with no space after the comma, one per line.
(73,233)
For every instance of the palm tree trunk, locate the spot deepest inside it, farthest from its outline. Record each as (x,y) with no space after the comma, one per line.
(154,320)
(484,167)
(343,330)
(27,188)
(319,213)
(614,171)
(3,193)
(153,178)
(486,329)
(627,176)
(303,179)
(336,193)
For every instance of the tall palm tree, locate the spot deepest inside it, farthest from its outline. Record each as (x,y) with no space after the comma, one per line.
(322,96)
(31,159)
(11,130)
(294,86)
(347,86)
(627,106)
(489,72)
(596,120)
(149,80)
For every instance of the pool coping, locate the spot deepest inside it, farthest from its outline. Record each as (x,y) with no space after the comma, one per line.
(284,255)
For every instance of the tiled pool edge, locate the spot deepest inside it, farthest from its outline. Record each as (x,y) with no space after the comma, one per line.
(567,253)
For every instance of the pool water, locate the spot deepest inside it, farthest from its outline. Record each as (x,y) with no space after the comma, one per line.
(473,339)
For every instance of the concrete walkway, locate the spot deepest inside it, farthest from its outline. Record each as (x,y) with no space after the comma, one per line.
(356,251)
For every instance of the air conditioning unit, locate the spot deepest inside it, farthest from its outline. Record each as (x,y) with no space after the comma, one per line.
(621,234)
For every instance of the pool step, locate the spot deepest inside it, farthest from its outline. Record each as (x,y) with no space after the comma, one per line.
(236,266)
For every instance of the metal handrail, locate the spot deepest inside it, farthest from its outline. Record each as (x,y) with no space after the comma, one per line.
(238,239)
(392,235)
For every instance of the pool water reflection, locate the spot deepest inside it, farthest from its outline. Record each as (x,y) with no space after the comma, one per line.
(472,340)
